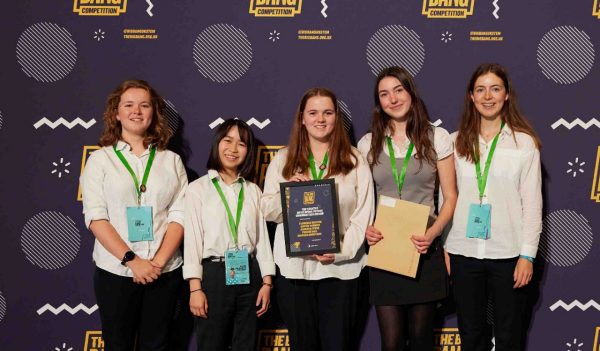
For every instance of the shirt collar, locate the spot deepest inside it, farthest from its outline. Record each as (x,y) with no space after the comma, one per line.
(505,132)
(122,146)
(212,174)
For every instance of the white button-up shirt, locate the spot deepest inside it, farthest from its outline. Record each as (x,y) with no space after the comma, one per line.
(207,231)
(514,190)
(356,208)
(108,189)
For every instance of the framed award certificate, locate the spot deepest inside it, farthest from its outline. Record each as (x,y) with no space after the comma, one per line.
(310,218)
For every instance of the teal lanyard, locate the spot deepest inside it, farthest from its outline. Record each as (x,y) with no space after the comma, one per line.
(233,225)
(313,168)
(139,188)
(399,179)
(482,179)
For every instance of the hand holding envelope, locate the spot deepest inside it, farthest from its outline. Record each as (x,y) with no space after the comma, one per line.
(398,221)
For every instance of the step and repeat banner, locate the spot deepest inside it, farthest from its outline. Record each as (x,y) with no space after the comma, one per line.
(252,60)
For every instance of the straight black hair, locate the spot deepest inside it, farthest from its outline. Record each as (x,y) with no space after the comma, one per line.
(246,169)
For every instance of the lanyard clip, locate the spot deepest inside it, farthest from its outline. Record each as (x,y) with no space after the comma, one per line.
(480,201)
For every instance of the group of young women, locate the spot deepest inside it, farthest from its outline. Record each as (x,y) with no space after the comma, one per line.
(140,208)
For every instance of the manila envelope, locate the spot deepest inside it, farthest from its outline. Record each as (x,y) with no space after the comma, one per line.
(398,220)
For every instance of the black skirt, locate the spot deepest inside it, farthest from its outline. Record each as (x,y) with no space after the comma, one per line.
(430,284)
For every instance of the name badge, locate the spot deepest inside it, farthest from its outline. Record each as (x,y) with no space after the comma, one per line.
(479,221)
(237,270)
(139,223)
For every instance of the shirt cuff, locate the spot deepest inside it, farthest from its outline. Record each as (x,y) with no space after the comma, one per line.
(266,268)
(529,250)
(177,217)
(95,215)
(192,271)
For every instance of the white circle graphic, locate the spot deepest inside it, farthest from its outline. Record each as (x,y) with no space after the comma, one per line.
(565,54)
(2,306)
(222,53)
(566,238)
(50,240)
(395,45)
(172,116)
(346,115)
(46,52)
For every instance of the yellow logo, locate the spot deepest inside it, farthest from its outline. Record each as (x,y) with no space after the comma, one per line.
(448,8)
(99,7)
(596,182)
(93,341)
(597,340)
(273,340)
(596,10)
(87,151)
(309,197)
(275,8)
(447,339)
(296,244)
(264,156)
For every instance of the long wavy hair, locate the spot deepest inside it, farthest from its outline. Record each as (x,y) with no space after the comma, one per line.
(418,127)
(467,140)
(158,133)
(341,158)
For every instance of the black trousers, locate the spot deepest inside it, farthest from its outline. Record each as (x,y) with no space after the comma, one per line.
(474,282)
(231,310)
(320,314)
(136,314)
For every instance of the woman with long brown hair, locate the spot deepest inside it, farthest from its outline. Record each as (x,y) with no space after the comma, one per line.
(133,190)
(402,141)
(317,294)
(498,218)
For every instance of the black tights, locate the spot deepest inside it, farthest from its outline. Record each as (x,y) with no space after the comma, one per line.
(394,320)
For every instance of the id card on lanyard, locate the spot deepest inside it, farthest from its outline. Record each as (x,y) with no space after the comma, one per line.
(479,220)
(139,218)
(237,270)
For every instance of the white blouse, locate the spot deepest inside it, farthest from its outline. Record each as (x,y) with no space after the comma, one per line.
(108,189)
(356,208)
(514,190)
(207,230)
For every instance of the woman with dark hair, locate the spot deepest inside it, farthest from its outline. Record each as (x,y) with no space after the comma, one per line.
(227,254)
(317,294)
(498,219)
(408,157)
(133,191)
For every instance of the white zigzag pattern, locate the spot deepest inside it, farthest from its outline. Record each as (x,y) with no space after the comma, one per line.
(65,307)
(496,9)
(573,304)
(70,125)
(325,7)
(149,9)
(576,122)
(251,121)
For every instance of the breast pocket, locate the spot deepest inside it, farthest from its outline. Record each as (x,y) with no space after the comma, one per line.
(506,164)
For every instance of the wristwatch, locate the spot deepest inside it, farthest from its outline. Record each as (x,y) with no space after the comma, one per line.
(129,256)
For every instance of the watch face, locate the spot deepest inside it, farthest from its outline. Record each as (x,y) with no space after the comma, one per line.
(129,255)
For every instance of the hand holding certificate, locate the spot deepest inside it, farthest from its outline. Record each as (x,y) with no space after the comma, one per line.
(398,220)
(310,217)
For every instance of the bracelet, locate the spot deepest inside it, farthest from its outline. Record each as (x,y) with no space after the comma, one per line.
(199,289)
(268,284)
(528,258)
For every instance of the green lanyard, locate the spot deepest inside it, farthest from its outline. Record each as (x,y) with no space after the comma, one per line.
(399,180)
(313,169)
(482,179)
(233,225)
(139,189)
